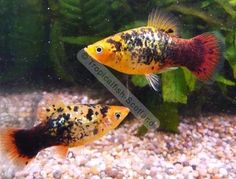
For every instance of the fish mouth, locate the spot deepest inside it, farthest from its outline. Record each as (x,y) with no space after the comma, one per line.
(86,49)
(125,111)
(91,55)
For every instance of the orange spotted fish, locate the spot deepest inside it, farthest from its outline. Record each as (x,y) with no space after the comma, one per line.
(62,126)
(156,48)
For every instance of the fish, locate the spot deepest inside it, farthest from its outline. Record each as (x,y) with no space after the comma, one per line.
(61,126)
(157,47)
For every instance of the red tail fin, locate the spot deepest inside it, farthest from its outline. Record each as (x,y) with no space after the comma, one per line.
(211,54)
(208,50)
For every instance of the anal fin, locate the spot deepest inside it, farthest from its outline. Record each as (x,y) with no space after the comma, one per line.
(61,150)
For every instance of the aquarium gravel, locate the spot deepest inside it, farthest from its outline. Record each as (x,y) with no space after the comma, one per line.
(204,148)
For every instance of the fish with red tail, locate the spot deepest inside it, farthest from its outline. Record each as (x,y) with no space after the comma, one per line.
(62,126)
(157,48)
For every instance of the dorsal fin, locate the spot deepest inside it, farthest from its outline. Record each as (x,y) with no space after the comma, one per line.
(163,22)
(52,106)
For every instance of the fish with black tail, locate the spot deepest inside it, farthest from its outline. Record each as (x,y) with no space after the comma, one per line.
(157,48)
(62,126)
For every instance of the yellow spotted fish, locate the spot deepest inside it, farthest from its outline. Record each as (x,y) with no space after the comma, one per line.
(157,48)
(62,126)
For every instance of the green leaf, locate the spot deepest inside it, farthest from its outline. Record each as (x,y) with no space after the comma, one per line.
(234,69)
(174,87)
(167,113)
(139,80)
(205,4)
(57,52)
(142,130)
(230,55)
(190,79)
(81,40)
(232,3)
(70,8)
(223,80)
(97,17)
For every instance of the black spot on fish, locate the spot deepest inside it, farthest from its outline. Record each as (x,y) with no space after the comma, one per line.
(76,108)
(96,113)
(60,110)
(81,135)
(89,114)
(95,131)
(126,36)
(116,44)
(91,105)
(52,114)
(66,116)
(147,56)
(48,110)
(138,42)
(69,107)
(104,111)
(170,31)
(79,121)
(95,122)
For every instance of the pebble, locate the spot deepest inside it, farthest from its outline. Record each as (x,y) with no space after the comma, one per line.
(178,166)
(57,174)
(223,172)
(187,170)
(153,171)
(95,177)
(111,172)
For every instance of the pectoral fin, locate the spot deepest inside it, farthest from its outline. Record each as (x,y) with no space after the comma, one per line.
(153,80)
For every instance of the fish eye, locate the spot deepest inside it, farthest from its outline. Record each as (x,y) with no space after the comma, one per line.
(99,50)
(117,115)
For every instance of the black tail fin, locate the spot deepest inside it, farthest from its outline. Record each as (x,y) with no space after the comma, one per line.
(18,145)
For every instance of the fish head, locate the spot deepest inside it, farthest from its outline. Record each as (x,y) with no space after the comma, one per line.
(111,52)
(116,114)
(101,51)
